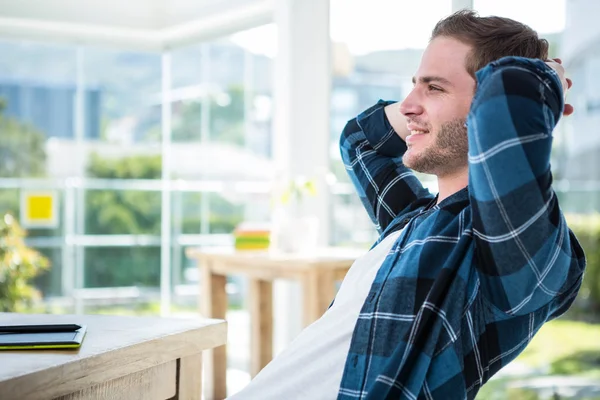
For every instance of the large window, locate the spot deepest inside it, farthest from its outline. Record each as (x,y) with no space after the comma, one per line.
(100,129)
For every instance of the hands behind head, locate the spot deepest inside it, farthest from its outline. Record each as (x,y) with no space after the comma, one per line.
(556,65)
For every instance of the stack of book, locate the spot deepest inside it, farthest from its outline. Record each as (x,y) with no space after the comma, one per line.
(252,236)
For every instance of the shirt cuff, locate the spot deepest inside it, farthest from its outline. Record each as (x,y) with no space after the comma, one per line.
(379,132)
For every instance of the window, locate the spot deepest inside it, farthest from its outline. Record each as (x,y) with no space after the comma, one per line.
(87,124)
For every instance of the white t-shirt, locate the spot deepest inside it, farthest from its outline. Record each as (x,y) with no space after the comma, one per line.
(311,367)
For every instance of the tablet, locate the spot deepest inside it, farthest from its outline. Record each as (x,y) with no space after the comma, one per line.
(42,340)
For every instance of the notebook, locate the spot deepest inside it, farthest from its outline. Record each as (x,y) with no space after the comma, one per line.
(37,339)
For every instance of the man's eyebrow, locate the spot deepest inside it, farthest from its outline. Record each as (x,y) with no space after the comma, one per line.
(429,79)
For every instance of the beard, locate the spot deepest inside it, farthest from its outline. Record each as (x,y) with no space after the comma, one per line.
(447,154)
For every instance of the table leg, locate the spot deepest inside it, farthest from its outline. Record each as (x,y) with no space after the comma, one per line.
(318,289)
(190,378)
(261,314)
(214,305)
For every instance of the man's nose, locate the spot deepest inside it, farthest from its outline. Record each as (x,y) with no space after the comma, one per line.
(411,105)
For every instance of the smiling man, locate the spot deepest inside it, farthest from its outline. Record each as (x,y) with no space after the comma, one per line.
(458,283)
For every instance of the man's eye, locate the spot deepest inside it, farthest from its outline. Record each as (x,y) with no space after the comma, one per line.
(434,88)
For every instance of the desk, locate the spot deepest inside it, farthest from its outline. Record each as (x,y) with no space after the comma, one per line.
(316,273)
(126,358)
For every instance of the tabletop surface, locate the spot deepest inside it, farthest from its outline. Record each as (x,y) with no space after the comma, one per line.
(321,255)
(105,334)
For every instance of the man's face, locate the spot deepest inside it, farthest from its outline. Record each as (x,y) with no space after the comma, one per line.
(437,108)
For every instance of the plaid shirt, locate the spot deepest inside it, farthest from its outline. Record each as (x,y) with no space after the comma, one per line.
(471,279)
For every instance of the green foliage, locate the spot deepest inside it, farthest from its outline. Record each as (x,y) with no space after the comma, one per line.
(22,151)
(18,266)
(124,266)
(133,167)
(561,347)
(110,212)
(554,342)
(577,363)
(521,394)
(587,230)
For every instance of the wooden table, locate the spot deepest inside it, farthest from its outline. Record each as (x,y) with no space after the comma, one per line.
(126,358)
(317,274)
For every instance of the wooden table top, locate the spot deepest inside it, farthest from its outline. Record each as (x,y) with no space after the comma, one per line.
(331,257)
(111,343)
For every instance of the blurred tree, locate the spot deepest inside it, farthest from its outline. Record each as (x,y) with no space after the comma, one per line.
(110,212)
(22,155)
(19,264)
(22,148)
(587,229)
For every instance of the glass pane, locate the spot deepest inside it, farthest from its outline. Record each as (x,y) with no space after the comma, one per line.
(128,108)
(122,266)
(186,68)
(21,62)
(36,104)
(351,225)
(579,201)
(122,212)
(50,282)
(221,110)
(10,202)
(122,280)
(224,213)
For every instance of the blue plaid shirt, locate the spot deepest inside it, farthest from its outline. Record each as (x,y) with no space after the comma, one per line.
(470,280)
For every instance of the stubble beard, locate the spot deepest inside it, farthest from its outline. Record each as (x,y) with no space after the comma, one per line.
(448,153)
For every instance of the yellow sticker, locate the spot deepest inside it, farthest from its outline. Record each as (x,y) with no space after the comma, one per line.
(39,209)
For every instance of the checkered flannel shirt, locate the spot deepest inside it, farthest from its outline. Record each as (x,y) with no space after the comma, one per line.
(472,279)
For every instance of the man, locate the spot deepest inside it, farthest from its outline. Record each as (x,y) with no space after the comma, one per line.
(457,284)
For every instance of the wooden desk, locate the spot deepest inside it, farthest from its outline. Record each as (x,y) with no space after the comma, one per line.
(317,274)
(126,358)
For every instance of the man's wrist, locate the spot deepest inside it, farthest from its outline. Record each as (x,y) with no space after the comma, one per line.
(378,131)
(397,120)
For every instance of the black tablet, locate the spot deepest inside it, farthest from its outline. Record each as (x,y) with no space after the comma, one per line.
(42,340)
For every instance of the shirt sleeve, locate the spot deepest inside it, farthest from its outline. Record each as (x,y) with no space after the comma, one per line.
(526,255)
(372,154)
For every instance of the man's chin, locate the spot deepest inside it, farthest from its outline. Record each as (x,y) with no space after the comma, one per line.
(411,160)
(417,163)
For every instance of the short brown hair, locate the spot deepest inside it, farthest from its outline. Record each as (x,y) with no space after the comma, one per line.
(491,37)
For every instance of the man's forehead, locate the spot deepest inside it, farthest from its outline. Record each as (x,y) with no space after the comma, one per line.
(444,60)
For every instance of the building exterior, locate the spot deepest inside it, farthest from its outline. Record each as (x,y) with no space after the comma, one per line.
(49,107)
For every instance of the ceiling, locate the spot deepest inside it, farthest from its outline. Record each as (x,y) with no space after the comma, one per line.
(154,25)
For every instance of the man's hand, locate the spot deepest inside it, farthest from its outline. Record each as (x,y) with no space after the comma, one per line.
(556,65)
(397,120)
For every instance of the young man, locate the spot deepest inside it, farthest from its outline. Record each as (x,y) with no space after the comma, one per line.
(458,284)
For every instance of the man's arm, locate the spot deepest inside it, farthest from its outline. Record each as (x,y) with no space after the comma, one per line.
(372,154)
(526,256)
